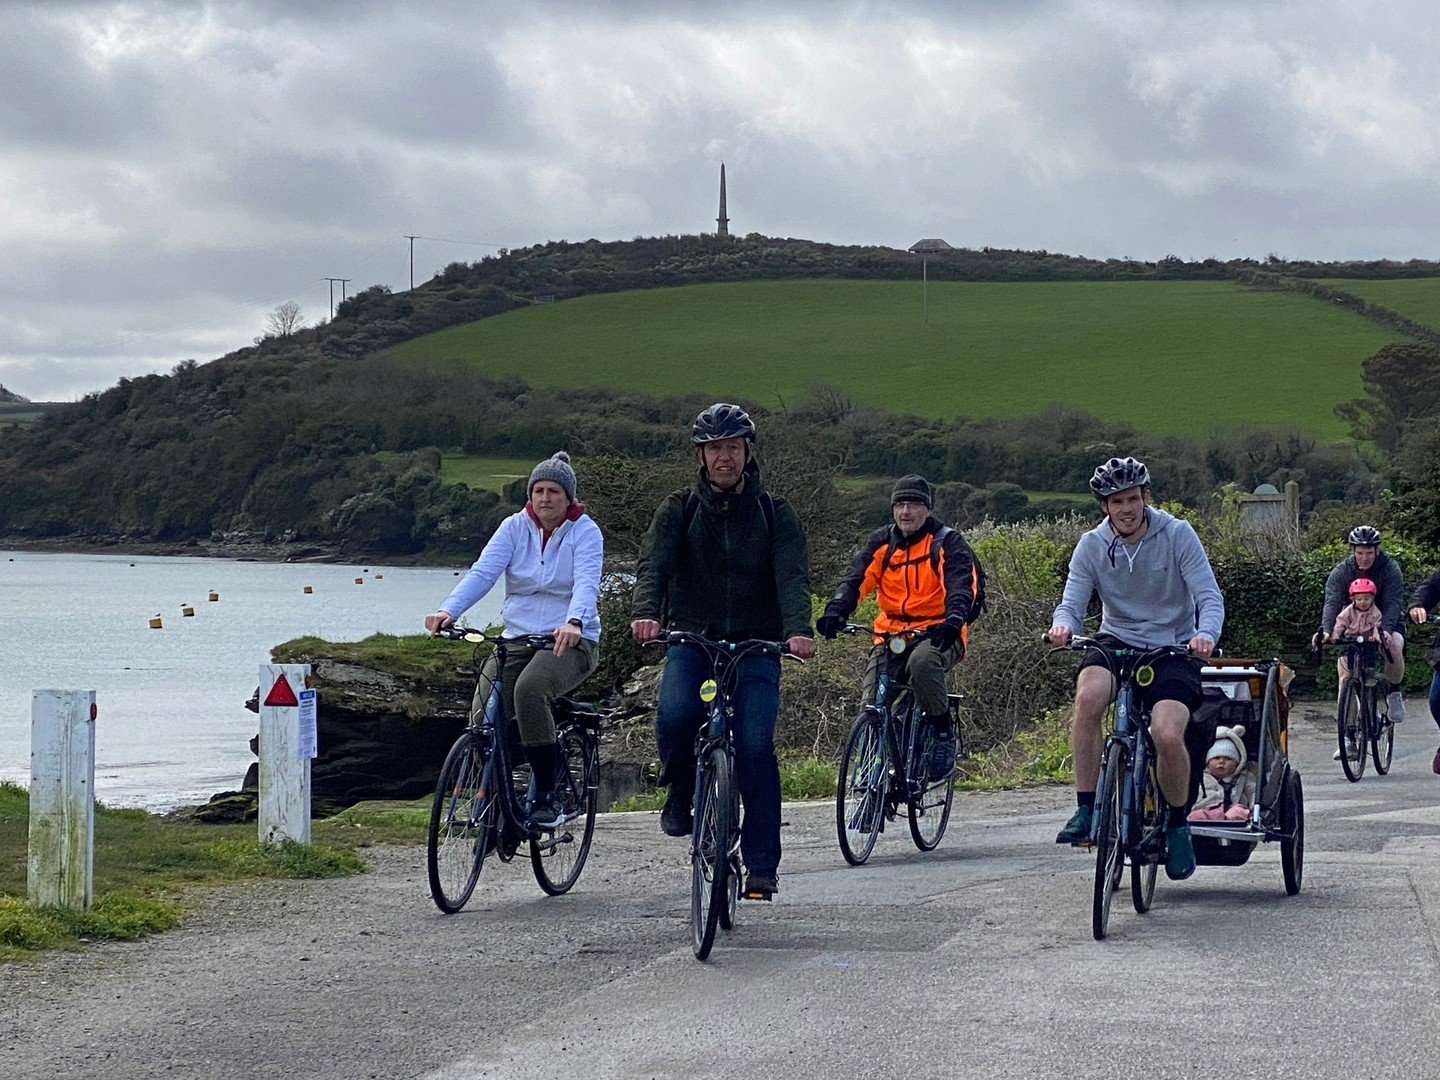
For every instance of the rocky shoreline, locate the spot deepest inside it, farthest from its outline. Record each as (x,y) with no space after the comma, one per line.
(384,735)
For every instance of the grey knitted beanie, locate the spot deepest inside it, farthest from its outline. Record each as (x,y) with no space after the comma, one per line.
(556,468)
(912,487)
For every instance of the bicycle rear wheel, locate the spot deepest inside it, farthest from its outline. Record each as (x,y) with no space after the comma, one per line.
(558,857)
(861,788)
(1350,730)
(1382,735)
(1142,864)
(1109,860)
(710,853)
(462,825)
(929,803)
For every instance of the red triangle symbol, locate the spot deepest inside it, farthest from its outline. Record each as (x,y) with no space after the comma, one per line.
(281,694)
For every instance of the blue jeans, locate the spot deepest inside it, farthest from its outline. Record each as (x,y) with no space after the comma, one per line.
(678,717)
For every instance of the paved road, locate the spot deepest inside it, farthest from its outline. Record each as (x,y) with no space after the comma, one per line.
(975,960)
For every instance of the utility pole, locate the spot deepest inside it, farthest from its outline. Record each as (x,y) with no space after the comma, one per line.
(412,240)
(332,281)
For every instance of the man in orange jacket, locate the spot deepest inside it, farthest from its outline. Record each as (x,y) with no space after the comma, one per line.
(926,579)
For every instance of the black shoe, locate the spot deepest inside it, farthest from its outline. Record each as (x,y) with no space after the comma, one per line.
(1077,829)
(675,818)
(942,757)
(761,886)
(546,813)
(1179,853)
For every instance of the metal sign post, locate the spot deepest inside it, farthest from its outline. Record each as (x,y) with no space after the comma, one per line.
(61,865)
(287,743)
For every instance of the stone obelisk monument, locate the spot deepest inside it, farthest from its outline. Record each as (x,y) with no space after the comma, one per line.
(722,223)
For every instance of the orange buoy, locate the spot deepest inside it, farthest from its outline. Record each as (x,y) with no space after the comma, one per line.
(308,590)
(214,595)
(186,610)
(155,623)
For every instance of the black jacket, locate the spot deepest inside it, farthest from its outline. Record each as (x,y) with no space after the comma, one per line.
(736,572)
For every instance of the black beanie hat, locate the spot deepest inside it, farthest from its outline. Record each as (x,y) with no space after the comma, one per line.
(912,487)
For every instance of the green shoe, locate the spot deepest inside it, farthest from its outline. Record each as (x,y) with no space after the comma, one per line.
(1077,829)
(1179,853)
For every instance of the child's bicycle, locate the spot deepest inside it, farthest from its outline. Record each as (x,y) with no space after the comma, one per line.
(483,798)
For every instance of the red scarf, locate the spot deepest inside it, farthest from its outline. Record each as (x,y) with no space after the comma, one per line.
(573,514)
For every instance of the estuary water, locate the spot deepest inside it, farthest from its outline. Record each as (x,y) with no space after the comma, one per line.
(171,727)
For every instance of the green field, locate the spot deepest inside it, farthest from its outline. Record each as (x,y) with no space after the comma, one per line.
(483,472)
(1415,298)
(1184,357)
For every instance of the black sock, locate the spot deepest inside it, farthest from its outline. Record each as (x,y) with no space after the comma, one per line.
(1085,798)
(1177,816)
(543,760)
(940,722)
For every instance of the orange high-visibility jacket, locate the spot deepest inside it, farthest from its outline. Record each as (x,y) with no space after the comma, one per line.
(921,582)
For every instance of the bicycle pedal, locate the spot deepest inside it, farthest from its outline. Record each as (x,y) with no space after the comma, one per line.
(1084,845)
(767,897)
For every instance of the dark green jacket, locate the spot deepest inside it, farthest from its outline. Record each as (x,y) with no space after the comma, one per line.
(726,576)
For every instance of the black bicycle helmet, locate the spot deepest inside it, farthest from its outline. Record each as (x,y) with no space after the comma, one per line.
(1364,536)
(722,421)
(1117,474)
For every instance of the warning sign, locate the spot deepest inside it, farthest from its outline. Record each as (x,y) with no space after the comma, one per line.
(281,694)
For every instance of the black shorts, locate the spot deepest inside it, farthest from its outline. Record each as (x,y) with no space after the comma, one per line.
(1177,678)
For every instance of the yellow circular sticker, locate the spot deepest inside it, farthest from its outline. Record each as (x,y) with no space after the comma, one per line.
(708,690)
(1144,675)
(897,644)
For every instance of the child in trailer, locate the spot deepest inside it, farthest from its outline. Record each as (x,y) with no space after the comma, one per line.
(1230,779)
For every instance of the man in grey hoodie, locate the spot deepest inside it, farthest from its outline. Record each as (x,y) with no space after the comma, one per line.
(1156,588)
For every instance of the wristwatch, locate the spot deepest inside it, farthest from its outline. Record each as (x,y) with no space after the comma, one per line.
(576,623)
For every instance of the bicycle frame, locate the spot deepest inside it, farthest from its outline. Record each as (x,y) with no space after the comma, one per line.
(900,722)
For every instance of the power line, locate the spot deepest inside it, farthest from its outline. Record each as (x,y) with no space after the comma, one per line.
(332,281)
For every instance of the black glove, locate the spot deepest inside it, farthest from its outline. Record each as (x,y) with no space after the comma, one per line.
(827,626)
(944,636)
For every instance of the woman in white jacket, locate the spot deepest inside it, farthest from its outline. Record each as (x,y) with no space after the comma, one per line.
(550,553)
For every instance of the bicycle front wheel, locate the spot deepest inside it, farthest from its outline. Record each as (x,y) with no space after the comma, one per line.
(861,789)
(462,825)
(1109,858)
(1350,730)
(1382,736)
(930,801)
(558,856)
(1143,863)
(710,853)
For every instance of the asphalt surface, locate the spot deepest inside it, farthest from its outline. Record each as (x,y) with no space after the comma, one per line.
(973,960)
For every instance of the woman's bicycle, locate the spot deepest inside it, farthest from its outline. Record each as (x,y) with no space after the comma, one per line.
(715,840)
(1362,718)
(1129,823)
(483,796)
(886,762)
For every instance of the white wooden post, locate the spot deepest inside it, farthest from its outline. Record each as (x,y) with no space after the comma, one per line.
(286,747)
(60,871)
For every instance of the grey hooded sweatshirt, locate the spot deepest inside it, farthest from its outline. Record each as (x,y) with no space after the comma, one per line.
(1159,592)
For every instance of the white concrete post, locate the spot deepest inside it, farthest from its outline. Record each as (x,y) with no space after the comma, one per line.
(287,743)
(60,871)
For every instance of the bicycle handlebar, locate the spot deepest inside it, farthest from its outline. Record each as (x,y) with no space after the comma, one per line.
(471,634)
(731,649)
(1079,643)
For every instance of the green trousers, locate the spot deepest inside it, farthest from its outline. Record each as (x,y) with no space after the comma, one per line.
(531,682)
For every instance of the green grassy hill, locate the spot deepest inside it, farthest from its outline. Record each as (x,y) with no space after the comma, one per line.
(1182,356)
(1415,298)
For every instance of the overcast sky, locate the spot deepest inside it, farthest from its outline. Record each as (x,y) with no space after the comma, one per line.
(170,172)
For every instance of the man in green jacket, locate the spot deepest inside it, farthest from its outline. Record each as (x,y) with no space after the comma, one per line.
(727,560)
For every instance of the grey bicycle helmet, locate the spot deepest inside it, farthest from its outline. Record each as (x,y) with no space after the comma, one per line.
(1364,536)
(722,421)
(1117,474)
